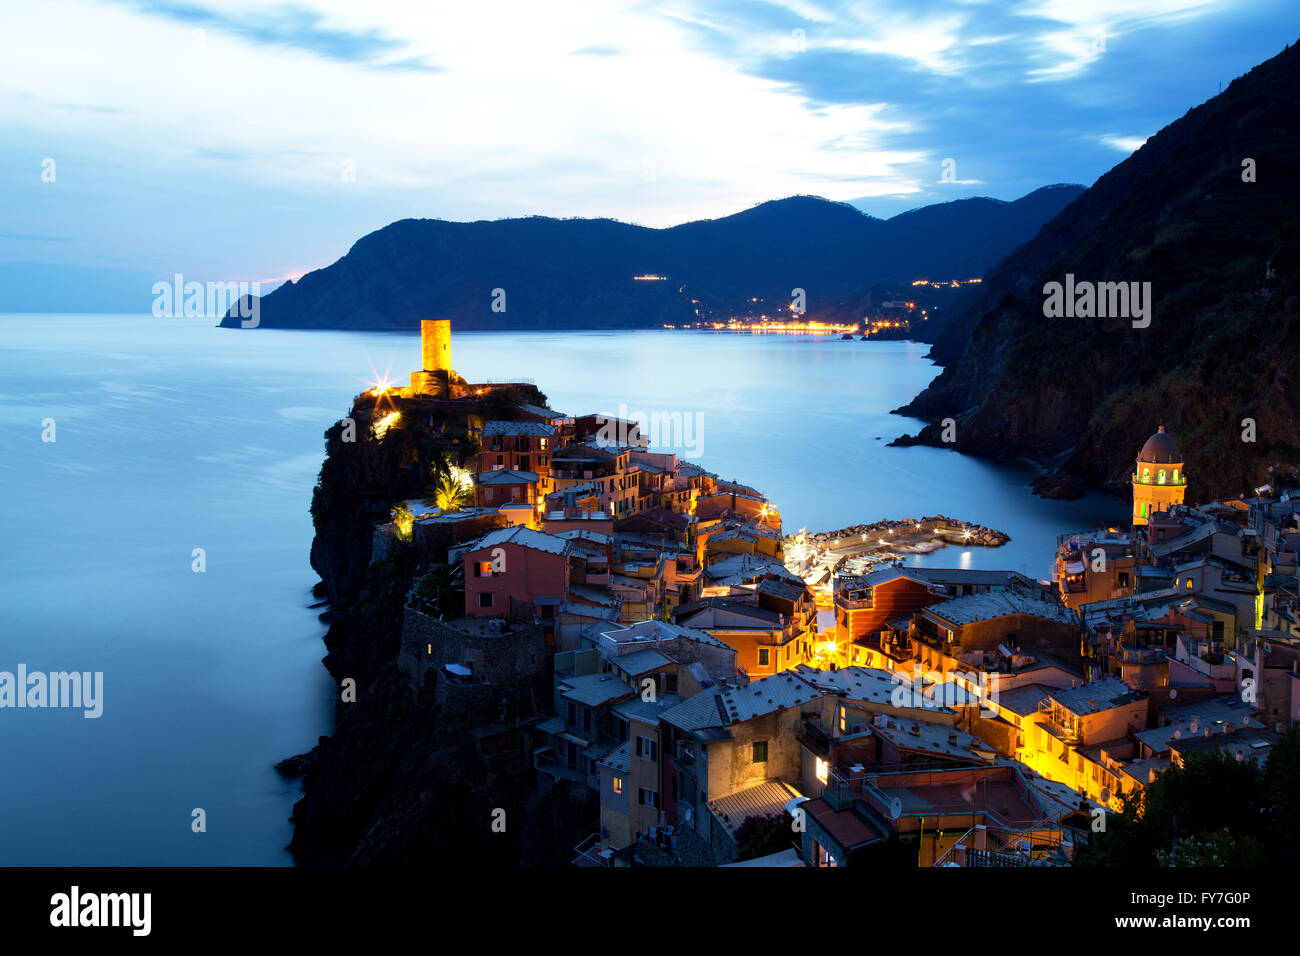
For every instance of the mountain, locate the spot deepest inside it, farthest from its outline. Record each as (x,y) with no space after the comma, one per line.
(578,273)
(1221,249)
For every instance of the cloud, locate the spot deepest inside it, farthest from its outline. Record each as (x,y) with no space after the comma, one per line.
(292,26)
(204,152)
(1125,144)
(87,108)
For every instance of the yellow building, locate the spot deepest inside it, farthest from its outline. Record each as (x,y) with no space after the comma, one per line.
(435,353)
(1159,479)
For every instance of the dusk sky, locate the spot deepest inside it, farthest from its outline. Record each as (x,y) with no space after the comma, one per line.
(243,141)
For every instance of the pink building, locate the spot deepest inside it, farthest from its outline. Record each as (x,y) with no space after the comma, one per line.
(511,568)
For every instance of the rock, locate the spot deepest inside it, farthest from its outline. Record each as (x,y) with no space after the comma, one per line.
(1058,485)
(294,768)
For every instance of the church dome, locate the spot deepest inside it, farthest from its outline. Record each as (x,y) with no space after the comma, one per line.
(1160,449)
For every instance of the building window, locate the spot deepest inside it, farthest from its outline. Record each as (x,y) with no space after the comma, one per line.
(484,598)
(618,784)
(760,751)
(764,656)
(646,748)
(823,769)
(647,797)
(1160,476)
(1123,579)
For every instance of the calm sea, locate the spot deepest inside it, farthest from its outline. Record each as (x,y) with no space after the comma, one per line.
(172,435)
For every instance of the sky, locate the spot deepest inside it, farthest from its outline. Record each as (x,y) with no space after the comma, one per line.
(239,141)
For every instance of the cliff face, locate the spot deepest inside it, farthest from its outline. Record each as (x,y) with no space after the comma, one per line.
(1222,255)
(578,273)
(399,781)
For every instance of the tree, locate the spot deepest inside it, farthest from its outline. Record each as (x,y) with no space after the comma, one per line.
(445,382)
(761,836)
(1214,810)
(452,491)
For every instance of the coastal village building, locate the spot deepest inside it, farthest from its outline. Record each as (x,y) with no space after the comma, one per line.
(1095,567)
(866,604)
(978,629)
(521,447)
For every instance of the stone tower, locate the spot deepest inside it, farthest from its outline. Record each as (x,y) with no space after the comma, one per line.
(435,353)
(1159,479)
(435,344)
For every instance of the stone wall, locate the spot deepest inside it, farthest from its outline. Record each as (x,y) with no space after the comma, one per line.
(515,659)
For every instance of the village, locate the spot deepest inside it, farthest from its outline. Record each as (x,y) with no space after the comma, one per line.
(625,624)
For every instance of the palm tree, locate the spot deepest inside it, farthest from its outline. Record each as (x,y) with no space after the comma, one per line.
(451,491)
(443,380)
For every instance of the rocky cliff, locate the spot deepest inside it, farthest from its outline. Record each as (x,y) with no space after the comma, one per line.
(1207,212)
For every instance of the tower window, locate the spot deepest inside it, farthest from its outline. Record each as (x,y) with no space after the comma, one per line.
(1160,478)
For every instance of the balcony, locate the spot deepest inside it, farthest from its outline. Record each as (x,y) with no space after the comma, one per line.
(1039,844)
(590,853)
(815,739)
(545,761)
(1141,655)
(1058,724)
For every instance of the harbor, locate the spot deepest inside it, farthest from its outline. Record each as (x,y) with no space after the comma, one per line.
(817,556)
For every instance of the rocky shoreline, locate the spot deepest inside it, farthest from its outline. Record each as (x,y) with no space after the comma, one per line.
(949,530)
